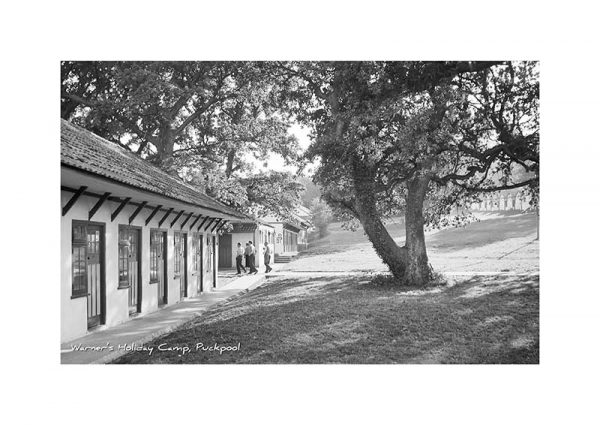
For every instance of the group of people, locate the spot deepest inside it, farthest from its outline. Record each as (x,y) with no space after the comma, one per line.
(249,253)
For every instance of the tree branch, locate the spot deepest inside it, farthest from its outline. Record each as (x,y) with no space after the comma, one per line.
(497,188)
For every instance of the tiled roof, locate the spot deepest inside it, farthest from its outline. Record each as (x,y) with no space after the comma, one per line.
(82,149)
(243,227)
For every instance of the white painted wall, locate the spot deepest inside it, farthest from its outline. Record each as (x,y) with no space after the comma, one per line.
(242,238)
(255,237)
(74,311)
(278,237)
(279,245)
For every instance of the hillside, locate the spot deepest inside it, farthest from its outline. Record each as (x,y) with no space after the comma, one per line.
(499,242)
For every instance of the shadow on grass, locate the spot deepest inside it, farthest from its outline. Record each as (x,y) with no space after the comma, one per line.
(348,320)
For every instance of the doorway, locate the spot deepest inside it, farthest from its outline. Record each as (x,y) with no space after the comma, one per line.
(88,269)
(130,266)
(158,264)
(180,262)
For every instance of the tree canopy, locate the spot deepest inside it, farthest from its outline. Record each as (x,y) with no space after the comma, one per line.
(206,121)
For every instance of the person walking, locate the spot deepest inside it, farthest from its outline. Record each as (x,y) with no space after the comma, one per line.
(267,257)
(238,259)
(251,257)
(247,252)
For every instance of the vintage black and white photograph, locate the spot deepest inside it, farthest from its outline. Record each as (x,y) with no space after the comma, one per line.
(300,212)
(316,212)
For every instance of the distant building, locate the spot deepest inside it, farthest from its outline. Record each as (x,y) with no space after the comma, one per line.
(304,215)
(255,230)
(133,238)
(509,200)
(290,234)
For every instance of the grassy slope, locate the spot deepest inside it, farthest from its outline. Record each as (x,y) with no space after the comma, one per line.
(495,244)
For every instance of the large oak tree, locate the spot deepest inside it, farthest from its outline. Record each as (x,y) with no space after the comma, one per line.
(416,137)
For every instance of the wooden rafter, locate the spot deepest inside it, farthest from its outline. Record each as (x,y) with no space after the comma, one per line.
(203,221)
(187,219)
(119,209)
(137,211)
(73,199)
(216,224)
(209,223)
(195,221)
(96,207)
(152,214)
(165,217)
(177,217)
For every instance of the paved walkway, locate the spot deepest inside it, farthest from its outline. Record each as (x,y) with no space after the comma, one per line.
(106,345)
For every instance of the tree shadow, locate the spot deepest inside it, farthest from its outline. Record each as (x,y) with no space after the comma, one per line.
(482,319)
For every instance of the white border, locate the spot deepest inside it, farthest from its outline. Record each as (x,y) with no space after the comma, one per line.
(37,35)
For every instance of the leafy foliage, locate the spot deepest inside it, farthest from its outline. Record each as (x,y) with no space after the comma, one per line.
(322,215)
(468,131)
(206,121)
(415,137)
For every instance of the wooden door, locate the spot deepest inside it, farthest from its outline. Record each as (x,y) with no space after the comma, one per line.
(225,251)
(180,261)
(213,260)
(158,264)
(129,266)
(94,272)
(183,281)
(197,261)
(207,269)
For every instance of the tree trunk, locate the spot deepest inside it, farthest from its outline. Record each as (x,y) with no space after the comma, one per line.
(392,255)
(67,107)
(409,264)
(164,148)
(229,164)
(417,270)
(365,208)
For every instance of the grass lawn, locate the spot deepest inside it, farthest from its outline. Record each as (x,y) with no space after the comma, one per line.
(501,242)
(346,319)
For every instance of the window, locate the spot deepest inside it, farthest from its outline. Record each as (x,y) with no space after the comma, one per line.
(85,259)
(178,253)
(195,252)
(156,252)
(209,257)
(79,283)
(123,258)
(128,255)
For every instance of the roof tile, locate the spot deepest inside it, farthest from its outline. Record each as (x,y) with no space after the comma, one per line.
(86,151)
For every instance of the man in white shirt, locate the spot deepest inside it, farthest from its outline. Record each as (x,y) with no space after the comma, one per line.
(239,257)
(251,251)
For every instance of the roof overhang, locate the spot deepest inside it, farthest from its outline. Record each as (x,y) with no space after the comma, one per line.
(292,227)
(74,179)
